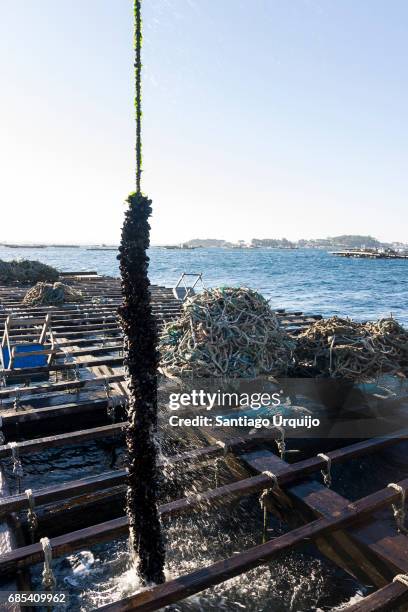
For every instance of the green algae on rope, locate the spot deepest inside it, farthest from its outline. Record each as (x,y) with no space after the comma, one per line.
(141,361)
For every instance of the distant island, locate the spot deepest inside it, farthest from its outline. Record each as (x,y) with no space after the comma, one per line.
(344,241)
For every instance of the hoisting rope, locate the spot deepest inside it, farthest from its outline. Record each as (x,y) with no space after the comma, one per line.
(18,471)
(399,513)
(48,578)
(32,518)
(138,92)
(327,478)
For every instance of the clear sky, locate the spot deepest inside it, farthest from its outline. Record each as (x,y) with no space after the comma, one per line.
(262,118)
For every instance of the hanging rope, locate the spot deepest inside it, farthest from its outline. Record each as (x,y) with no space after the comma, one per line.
(110,409)
(219,460)
(281,444)
(16,404)
(18,471)
(262,500)
(104,331)
(48,578)
(327,478)
(2,438)
(399,513)
(138,91)
(32,518)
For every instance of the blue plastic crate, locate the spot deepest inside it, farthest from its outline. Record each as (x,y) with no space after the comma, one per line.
(33,361)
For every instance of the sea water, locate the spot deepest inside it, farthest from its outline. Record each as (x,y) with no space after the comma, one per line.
(310,280)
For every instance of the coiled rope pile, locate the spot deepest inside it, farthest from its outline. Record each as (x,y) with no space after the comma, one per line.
(52,295)
(229,332)
(342,348)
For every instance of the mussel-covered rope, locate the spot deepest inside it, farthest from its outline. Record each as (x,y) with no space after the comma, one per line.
(141,365)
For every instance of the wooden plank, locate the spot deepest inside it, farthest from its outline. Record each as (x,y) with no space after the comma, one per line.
(52,388)
(66,439)
(384,600)
(35,416)
(24,322)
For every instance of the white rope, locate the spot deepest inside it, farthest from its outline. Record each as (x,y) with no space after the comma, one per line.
(31,515)
(402,578)
(327,478)
(262,500)
(104,331)
(110,402)
(48,578)
(399,513)
(115,401)
(265,492)
(16,404)
(273,477)
(2,438)
(223,445)
(218,460)
(17,465)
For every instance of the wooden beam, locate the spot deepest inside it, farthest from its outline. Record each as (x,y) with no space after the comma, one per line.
(66,439)
(386,599)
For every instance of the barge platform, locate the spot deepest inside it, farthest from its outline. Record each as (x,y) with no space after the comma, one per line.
(80,397)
